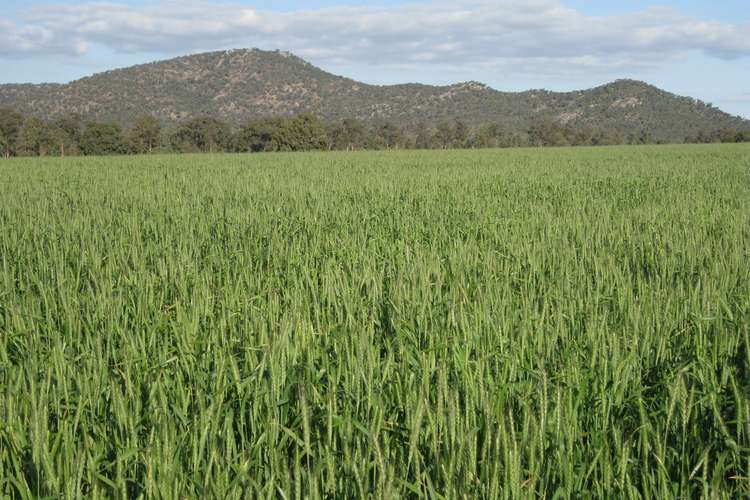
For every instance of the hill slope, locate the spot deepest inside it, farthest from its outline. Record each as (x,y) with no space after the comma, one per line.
(241,84)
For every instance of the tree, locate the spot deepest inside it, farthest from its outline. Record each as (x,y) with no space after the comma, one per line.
(423,138)
(460,134)
(306,132)
(204,134)
(10,125)
(390,135)
(444,135)
(729,135)
(35,138)
(348,135)
(145,135)
(643,137)
(99,139)
(605,137)
(547,133)
(492,135)
(303,132)
(257,136)
(67,132)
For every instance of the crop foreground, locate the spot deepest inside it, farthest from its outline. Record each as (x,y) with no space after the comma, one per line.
(526,323)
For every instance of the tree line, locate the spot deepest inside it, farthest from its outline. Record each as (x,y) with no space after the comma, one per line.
(71,135)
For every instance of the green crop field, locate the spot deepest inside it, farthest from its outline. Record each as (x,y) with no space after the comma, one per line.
(558,323)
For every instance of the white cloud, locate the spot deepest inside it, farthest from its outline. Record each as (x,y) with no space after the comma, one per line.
(25,39)
(534,36)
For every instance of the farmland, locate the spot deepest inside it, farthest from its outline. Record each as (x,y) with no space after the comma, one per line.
(497,324)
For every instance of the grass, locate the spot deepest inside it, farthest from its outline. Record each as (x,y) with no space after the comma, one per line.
(559,323)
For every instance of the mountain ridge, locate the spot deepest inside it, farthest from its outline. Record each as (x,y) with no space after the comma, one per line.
(241,84)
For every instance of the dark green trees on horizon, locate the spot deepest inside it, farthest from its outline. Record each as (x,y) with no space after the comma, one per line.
(70,135)
(145,136)
(10,125)
(304,132)
(100,139)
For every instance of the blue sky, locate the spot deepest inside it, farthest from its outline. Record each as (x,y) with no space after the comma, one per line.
(690,47)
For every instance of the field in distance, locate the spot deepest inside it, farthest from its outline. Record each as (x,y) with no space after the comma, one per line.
(512,323)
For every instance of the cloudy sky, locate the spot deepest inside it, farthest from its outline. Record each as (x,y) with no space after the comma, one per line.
(692,47)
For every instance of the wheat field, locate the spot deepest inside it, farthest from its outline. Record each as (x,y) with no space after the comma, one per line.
(551,323)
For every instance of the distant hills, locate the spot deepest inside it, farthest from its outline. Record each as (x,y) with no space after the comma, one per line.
(239,85)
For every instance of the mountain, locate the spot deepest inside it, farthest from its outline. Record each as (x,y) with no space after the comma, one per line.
(238,85)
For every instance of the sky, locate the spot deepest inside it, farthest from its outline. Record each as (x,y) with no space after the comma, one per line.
(699,48)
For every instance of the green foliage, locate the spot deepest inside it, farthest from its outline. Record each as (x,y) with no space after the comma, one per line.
(550,133)
(205,135)
(423,138)
(67,131)
(348,135)
(35,138)
(495,135)
(307,132)
(721,135)
(444,135)
(263,135)
(145,135)
(547,133)
(99,139)
(386,135)
(567,323)
(10,126)
(302,132)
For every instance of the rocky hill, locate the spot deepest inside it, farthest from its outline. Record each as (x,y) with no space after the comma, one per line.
(238,85)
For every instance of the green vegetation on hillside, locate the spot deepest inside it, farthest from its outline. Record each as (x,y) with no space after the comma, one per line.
(242,85)
(70,135)
(481,324)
